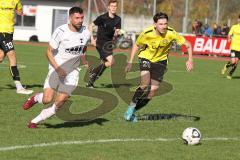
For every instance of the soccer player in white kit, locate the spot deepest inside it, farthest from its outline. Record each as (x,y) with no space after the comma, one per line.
(66,47)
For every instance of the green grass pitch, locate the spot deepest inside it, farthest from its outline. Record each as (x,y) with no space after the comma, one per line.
(203,93)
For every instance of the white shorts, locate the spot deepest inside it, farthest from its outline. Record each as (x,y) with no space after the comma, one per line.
(66,85)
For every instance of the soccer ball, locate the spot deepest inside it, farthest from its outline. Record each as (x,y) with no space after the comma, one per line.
(191,136)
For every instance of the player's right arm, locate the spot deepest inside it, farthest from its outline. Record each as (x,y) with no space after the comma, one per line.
(53,45)
(135,49)
(50,57)
(131,58)
(97,22)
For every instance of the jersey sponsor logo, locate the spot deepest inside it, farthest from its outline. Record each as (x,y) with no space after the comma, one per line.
(165,41)
(77,50)
(154,45)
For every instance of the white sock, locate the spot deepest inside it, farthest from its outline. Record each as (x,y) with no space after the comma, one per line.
(38,98)
(18,85)
(133,104)
(45,114)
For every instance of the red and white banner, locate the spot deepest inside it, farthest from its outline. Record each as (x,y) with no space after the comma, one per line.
(208,45)
(29,10)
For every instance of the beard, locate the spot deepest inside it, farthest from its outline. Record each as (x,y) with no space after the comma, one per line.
(77,27)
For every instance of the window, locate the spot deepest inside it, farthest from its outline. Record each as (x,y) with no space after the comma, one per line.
(29,17)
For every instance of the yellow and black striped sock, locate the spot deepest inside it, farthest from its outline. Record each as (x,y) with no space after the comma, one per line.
(229,64)
(232,70)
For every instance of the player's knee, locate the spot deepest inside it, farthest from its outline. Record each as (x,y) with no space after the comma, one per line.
(151,94)
(236,62)
(143,86)
(60,102)
(47,100)
(1,57)
(155,88)
(152,91)
(109,63)
(112,62)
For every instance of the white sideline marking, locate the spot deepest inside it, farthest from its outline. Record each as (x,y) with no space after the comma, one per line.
(177,71)
(22,66)
(221,139)
(19,66)
(10,148)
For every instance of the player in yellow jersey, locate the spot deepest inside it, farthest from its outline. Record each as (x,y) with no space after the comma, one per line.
(234,37)
(153,46)
(7,10)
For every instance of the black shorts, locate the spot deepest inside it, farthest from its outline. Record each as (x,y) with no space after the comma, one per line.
(157,69)
(6,42)
(105,49)
(235,54)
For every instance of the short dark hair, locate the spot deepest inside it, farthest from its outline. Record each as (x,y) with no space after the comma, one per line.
(112,1)
(160,15)
(75,10)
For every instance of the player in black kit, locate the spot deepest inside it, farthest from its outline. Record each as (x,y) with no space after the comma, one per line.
(109,25)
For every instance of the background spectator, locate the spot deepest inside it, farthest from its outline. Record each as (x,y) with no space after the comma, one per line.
(225,30)
(197,28)
(217,32)
(208,31)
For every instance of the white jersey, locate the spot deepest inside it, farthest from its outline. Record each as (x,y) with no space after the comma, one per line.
(69,45)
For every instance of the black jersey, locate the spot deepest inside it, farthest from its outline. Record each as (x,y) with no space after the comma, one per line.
(106,27)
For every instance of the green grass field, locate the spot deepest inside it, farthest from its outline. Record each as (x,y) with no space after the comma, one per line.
(202,93)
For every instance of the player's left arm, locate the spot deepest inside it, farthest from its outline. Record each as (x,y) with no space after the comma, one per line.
(117,32)
(19,8)
(230,34)
(189,63)
(94,27)
(83,57)
(91,28)
(182,41)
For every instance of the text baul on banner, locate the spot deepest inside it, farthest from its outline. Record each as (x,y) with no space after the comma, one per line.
(207,45)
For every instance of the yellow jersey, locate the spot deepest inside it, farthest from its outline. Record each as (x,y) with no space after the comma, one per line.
(156,47)
(235,40)
(7,10)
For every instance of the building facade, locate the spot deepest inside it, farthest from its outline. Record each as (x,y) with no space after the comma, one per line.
(40,18)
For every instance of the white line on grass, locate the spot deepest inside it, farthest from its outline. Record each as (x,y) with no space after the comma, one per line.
(10,148)
(21,66)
